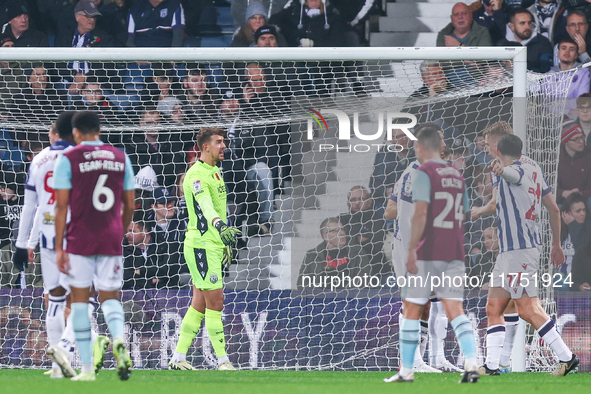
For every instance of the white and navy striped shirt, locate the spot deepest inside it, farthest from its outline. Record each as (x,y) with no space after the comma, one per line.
(519,206)
(402,195)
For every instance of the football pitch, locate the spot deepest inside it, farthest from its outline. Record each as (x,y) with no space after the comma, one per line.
(288,382)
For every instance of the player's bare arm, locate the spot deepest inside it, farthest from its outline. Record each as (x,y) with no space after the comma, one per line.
(391,210)
(556,252)
(418,222)
(62,198)
(486,210)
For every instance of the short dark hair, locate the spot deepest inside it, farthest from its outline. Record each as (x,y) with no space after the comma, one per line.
(428,136)
(573,198)
(519,10)
(510,145)
(578,13)
(568,40)
(63,124)
(87,122)
(584,98)
(206,133)
(196,69)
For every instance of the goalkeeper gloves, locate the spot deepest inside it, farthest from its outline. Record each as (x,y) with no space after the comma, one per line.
(227,234)
(228,256)
(20,259)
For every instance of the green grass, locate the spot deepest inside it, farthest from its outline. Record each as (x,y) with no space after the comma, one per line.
(288,382)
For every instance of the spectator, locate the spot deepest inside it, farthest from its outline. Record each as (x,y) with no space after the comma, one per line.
(157,149)
(567,53)
(145,183)
(462,31)
(163,84)
(577,28)
(139,257)
(522,30)
(482,158)
(38,101)
(364,225)
(93,99)
(11,75)
(334,256)
(310,24)
(575,228)
(434,80)
(266,36)
(169,233)
(256,16)
(113,19)
(581,272)
(389,164)
(18,29)
(86,34)
(574,163)
(584,113)
(172,113)
(546,14)
(494,15)
(156,23)
(481,262)
(198,100)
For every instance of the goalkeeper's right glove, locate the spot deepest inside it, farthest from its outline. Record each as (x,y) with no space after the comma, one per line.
(227,234)
(20,259)
(227,256)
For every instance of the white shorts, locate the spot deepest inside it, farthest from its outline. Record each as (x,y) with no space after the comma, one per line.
(399,255)
(445,279)
(52,277)
(515,272)
(107,271)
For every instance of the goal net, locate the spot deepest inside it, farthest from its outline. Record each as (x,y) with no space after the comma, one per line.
(312,135)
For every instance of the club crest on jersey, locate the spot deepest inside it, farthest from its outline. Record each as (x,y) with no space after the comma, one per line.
(163,13)
(197,187)
(524,266)
(213,278)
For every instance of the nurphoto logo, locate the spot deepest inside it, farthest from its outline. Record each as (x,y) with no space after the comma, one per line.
(394,121)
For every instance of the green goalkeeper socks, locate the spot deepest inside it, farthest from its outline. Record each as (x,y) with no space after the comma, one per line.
(189,329)
(215,328)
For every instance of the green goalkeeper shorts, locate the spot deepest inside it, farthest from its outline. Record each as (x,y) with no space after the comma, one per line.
(205,266)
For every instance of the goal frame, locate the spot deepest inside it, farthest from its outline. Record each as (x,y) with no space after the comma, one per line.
(518,55)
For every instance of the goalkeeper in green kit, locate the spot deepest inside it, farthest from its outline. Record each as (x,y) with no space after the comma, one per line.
(207,247)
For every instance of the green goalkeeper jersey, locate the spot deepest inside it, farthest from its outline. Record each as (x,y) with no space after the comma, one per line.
(205,193)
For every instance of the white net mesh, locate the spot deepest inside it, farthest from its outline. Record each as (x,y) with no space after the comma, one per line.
(281,185)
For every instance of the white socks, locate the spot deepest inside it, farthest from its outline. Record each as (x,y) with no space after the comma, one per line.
(437,332)
(549,334)
(511,323)
(495,337)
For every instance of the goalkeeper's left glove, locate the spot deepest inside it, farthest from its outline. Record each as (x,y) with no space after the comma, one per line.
(20,259)
(227,256)
(227,234)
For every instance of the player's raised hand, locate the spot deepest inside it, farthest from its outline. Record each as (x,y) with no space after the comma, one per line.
(20,259)
(63,263)
(497,167)
(557,256)
(411,262)
(227,234)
